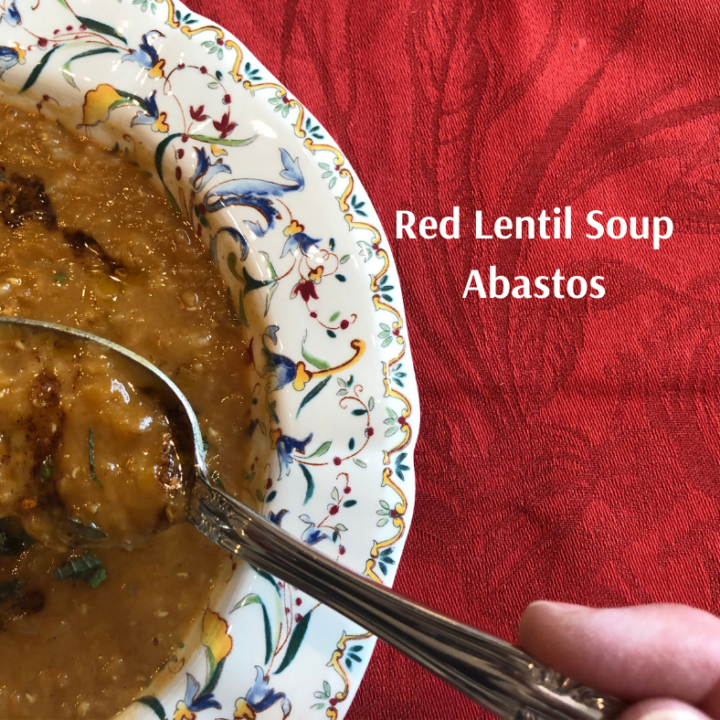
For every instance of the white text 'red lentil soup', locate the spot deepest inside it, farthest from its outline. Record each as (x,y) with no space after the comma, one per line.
(88,614)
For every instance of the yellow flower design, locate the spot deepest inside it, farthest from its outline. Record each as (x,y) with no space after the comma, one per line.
(217,150)
(160,125)
(20,52)
(302,377)
(182,712)
(316,274)
(98,103)
(215,636)
(275,436)
(243,711)
(293,228)
(156,71)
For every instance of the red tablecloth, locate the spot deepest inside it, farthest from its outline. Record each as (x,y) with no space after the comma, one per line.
(569,448)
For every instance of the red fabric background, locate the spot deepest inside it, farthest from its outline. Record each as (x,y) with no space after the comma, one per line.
(569,448)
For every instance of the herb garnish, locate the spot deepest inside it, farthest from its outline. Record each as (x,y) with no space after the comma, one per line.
(59,277)
(9,589)
(88,530)
(87,567)
(13,542)
(46,469)
(91,456)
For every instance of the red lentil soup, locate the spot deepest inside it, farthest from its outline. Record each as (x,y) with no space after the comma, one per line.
(94,598)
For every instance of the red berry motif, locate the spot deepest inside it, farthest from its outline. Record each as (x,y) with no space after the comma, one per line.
(313,314)
(402,422)
(369,432)
(347,489)
(344,325)
(42,42)
(181,154)
(227,99)
(220,42)
(298,601)
(334,510)
(333,701)
(203,70)
(178,173)
(337,460)
(268,484)
(298,617)
(341,549)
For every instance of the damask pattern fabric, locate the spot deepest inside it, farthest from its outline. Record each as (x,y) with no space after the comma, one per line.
(569,449)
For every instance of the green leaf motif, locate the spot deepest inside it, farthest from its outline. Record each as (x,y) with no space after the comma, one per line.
(322,449)
(251,283)
(35,74)
(223,141)
(66,67)
(310,484)
(312,394)
(232,266)
(317,362)
(102,28)
(254,599)
(155,705)
(267,576)
(298,634)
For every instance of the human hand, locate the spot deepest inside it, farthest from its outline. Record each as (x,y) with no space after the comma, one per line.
(664,659)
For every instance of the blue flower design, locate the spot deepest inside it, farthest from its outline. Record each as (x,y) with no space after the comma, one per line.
(146,55)
(285,446)
(11,16)
(151,115)
(196,702)
(296,240)
(257,194)
(283,368)
(206,169)
(260,697)
(311,535)
(9,57)
(277,517)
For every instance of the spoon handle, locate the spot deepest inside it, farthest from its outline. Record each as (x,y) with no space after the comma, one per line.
(493,673)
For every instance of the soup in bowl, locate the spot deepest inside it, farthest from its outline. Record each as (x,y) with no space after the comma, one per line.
(161,189)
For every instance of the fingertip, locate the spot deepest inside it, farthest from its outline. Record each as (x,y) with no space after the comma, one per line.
(662,709)
(542,623)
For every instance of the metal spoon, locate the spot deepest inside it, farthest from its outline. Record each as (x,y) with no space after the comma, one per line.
(493,673)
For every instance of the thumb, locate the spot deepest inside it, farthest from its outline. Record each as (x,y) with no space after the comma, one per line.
(635,653)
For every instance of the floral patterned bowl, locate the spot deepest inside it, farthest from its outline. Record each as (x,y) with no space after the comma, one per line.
(309,270)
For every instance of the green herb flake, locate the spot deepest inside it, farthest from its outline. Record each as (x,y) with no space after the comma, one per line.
(89,531)
(59,277)
(9,589)
(97,578)
(46,469)
(91,457)
(86,567)
(12,541)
